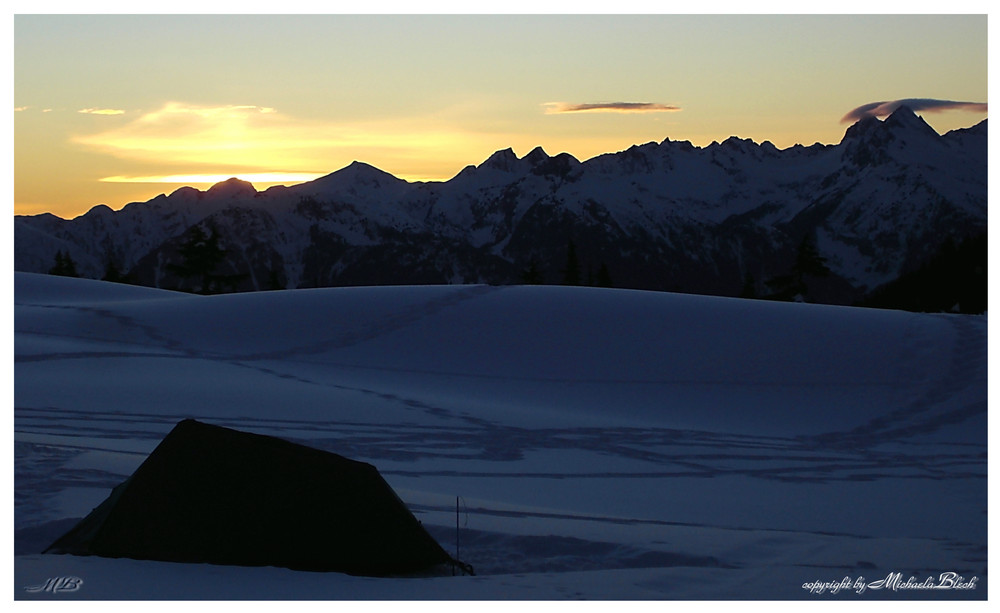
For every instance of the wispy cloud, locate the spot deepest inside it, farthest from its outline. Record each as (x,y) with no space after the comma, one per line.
(102,111)
(205,140)
(243,135)
(886,108)
(552,108)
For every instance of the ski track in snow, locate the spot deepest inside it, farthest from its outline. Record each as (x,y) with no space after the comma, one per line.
(966,368)
(148,334)
(672,452)
(850,455)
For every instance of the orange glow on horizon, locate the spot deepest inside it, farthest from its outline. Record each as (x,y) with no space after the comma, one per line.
(258,177)
(286,99)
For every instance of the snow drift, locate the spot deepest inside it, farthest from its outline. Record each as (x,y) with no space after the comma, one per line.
(606,444)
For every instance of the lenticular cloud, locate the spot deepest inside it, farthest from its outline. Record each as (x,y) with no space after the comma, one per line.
(609,107)
(886,108)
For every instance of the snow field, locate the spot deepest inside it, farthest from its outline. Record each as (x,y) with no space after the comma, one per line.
(607,444)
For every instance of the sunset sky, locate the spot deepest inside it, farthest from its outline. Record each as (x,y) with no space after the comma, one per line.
(113,109)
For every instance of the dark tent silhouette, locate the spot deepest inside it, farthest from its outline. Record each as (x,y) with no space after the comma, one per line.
(211,494)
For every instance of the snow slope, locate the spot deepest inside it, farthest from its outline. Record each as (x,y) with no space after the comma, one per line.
(606,444)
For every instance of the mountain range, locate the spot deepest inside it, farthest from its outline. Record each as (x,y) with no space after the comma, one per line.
(823,223)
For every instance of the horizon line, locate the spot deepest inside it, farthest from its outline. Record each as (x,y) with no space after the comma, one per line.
(293,178)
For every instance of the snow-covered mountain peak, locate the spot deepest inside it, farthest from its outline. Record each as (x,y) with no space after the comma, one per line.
(561,165)
(363,170)
(101,211)
(738,144)
(680,145)
(184,192)
(536,156)
(768,147)
(232,188)
(537,161)
(903,136)
(504,160)
(358,174)
(904,118)
(902,121)
(861,129)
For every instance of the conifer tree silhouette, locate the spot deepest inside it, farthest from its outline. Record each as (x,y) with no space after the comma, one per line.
(64,266)
(604,276)
(571,274)
(201,254)
(531,275)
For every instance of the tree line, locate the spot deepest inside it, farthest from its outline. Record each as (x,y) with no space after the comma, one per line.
(571,273)
(954,279)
